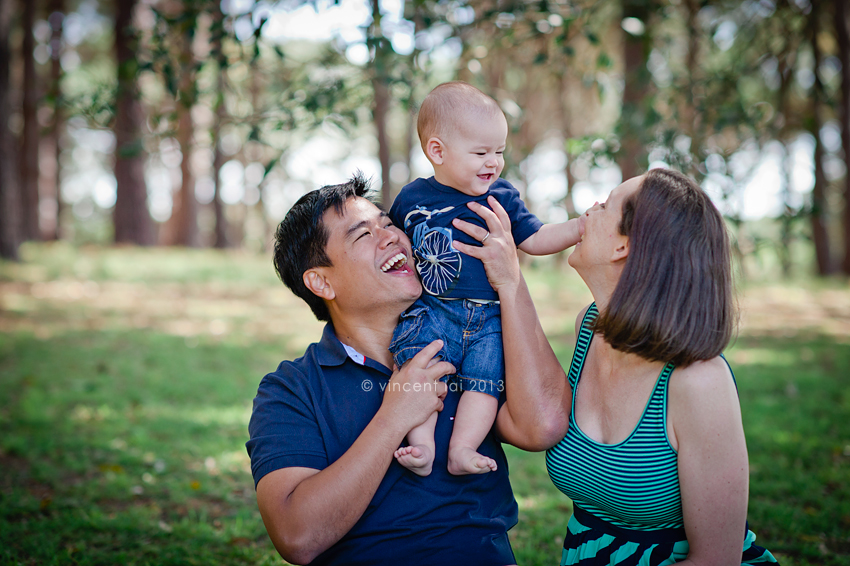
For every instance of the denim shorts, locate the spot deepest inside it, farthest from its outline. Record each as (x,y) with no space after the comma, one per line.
(472,340)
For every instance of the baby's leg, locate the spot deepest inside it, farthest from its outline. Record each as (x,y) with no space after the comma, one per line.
(418,455)
(473,420)
(414,332)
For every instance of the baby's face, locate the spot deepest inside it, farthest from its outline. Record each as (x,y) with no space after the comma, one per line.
(473,155)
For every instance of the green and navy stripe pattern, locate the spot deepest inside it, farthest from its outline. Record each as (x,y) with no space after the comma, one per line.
(633,484)
(627,506)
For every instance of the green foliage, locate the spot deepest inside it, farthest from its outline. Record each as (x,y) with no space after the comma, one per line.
(721,76)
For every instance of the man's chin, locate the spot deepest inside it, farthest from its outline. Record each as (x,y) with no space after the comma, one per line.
(414,296)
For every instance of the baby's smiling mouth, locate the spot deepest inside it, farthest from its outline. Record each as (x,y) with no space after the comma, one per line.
(395,263)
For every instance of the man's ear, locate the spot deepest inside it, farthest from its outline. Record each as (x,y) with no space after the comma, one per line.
(318,284)
(435,150)
(621,252)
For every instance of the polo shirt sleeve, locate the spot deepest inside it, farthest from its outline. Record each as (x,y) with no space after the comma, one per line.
(284,426)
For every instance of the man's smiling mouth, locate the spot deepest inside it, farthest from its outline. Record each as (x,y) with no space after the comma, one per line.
(396,262)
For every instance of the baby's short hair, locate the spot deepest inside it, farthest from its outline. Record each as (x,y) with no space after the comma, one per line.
(445,106)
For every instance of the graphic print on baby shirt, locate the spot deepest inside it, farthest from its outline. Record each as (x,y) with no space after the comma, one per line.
(437,262)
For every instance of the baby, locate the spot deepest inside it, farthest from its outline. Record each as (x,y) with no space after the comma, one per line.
(463,133)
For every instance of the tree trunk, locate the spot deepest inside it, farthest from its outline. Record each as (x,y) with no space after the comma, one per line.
(819,209)
(217,33)
(186,209)
(9,192)
(694,99)
(786,221)
(633,155)
(411,136)
(56,18)
(257,88)
(382,102)
(29,139)
(566,132)
(185,214)
(843,37)
(131,217)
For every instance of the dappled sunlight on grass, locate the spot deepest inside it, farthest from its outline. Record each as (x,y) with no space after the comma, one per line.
(215,417)
(793,310)
(215,297)
(188,309)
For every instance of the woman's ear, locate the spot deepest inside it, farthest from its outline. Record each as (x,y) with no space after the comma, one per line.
(621,252)
(435,150)
(318,284)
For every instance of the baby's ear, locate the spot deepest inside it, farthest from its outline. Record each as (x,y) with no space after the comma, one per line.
(435,150)
(318,284)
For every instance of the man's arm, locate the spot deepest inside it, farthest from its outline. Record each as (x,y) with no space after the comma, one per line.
(535,415)
(306,511)
(552,238)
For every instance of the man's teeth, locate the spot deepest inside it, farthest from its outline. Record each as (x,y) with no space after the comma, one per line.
(397,261)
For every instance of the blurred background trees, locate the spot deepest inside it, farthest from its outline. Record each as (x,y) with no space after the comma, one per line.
(199,122)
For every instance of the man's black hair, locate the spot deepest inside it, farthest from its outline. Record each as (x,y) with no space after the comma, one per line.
(301,237)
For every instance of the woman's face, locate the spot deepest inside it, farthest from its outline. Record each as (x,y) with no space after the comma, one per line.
(599,227)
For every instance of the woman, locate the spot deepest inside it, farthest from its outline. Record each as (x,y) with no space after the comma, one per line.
(646,427)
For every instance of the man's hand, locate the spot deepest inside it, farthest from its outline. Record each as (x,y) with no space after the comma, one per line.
(415,391)
(307,511)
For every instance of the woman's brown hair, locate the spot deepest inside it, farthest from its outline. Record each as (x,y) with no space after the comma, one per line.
(674,300)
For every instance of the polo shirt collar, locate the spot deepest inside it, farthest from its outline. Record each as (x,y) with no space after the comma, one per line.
(331,352)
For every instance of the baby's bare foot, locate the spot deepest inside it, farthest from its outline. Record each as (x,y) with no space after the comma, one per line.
(418,459)
(464,460)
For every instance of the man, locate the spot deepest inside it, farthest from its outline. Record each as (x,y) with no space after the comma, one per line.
(325,426)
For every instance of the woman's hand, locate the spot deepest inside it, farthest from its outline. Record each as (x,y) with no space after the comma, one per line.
(497,250)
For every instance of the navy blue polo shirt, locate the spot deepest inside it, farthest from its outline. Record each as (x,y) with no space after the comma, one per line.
(310,411)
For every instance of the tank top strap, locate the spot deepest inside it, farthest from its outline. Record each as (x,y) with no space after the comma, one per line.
(655,414)
(585,334)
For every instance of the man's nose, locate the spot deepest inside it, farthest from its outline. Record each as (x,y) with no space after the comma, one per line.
(388,236)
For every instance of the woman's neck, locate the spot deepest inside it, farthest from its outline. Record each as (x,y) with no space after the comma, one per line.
(601,284)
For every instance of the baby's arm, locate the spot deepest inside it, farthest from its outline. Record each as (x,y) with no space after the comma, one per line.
(552,238)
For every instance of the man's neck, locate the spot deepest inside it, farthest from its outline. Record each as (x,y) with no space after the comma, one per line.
(371,336)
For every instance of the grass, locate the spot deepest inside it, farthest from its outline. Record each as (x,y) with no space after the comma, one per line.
(126,379)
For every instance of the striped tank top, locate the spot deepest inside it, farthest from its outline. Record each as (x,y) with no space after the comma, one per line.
(633,484)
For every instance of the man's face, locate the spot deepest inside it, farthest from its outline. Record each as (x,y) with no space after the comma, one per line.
(474,154)
(372,266)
